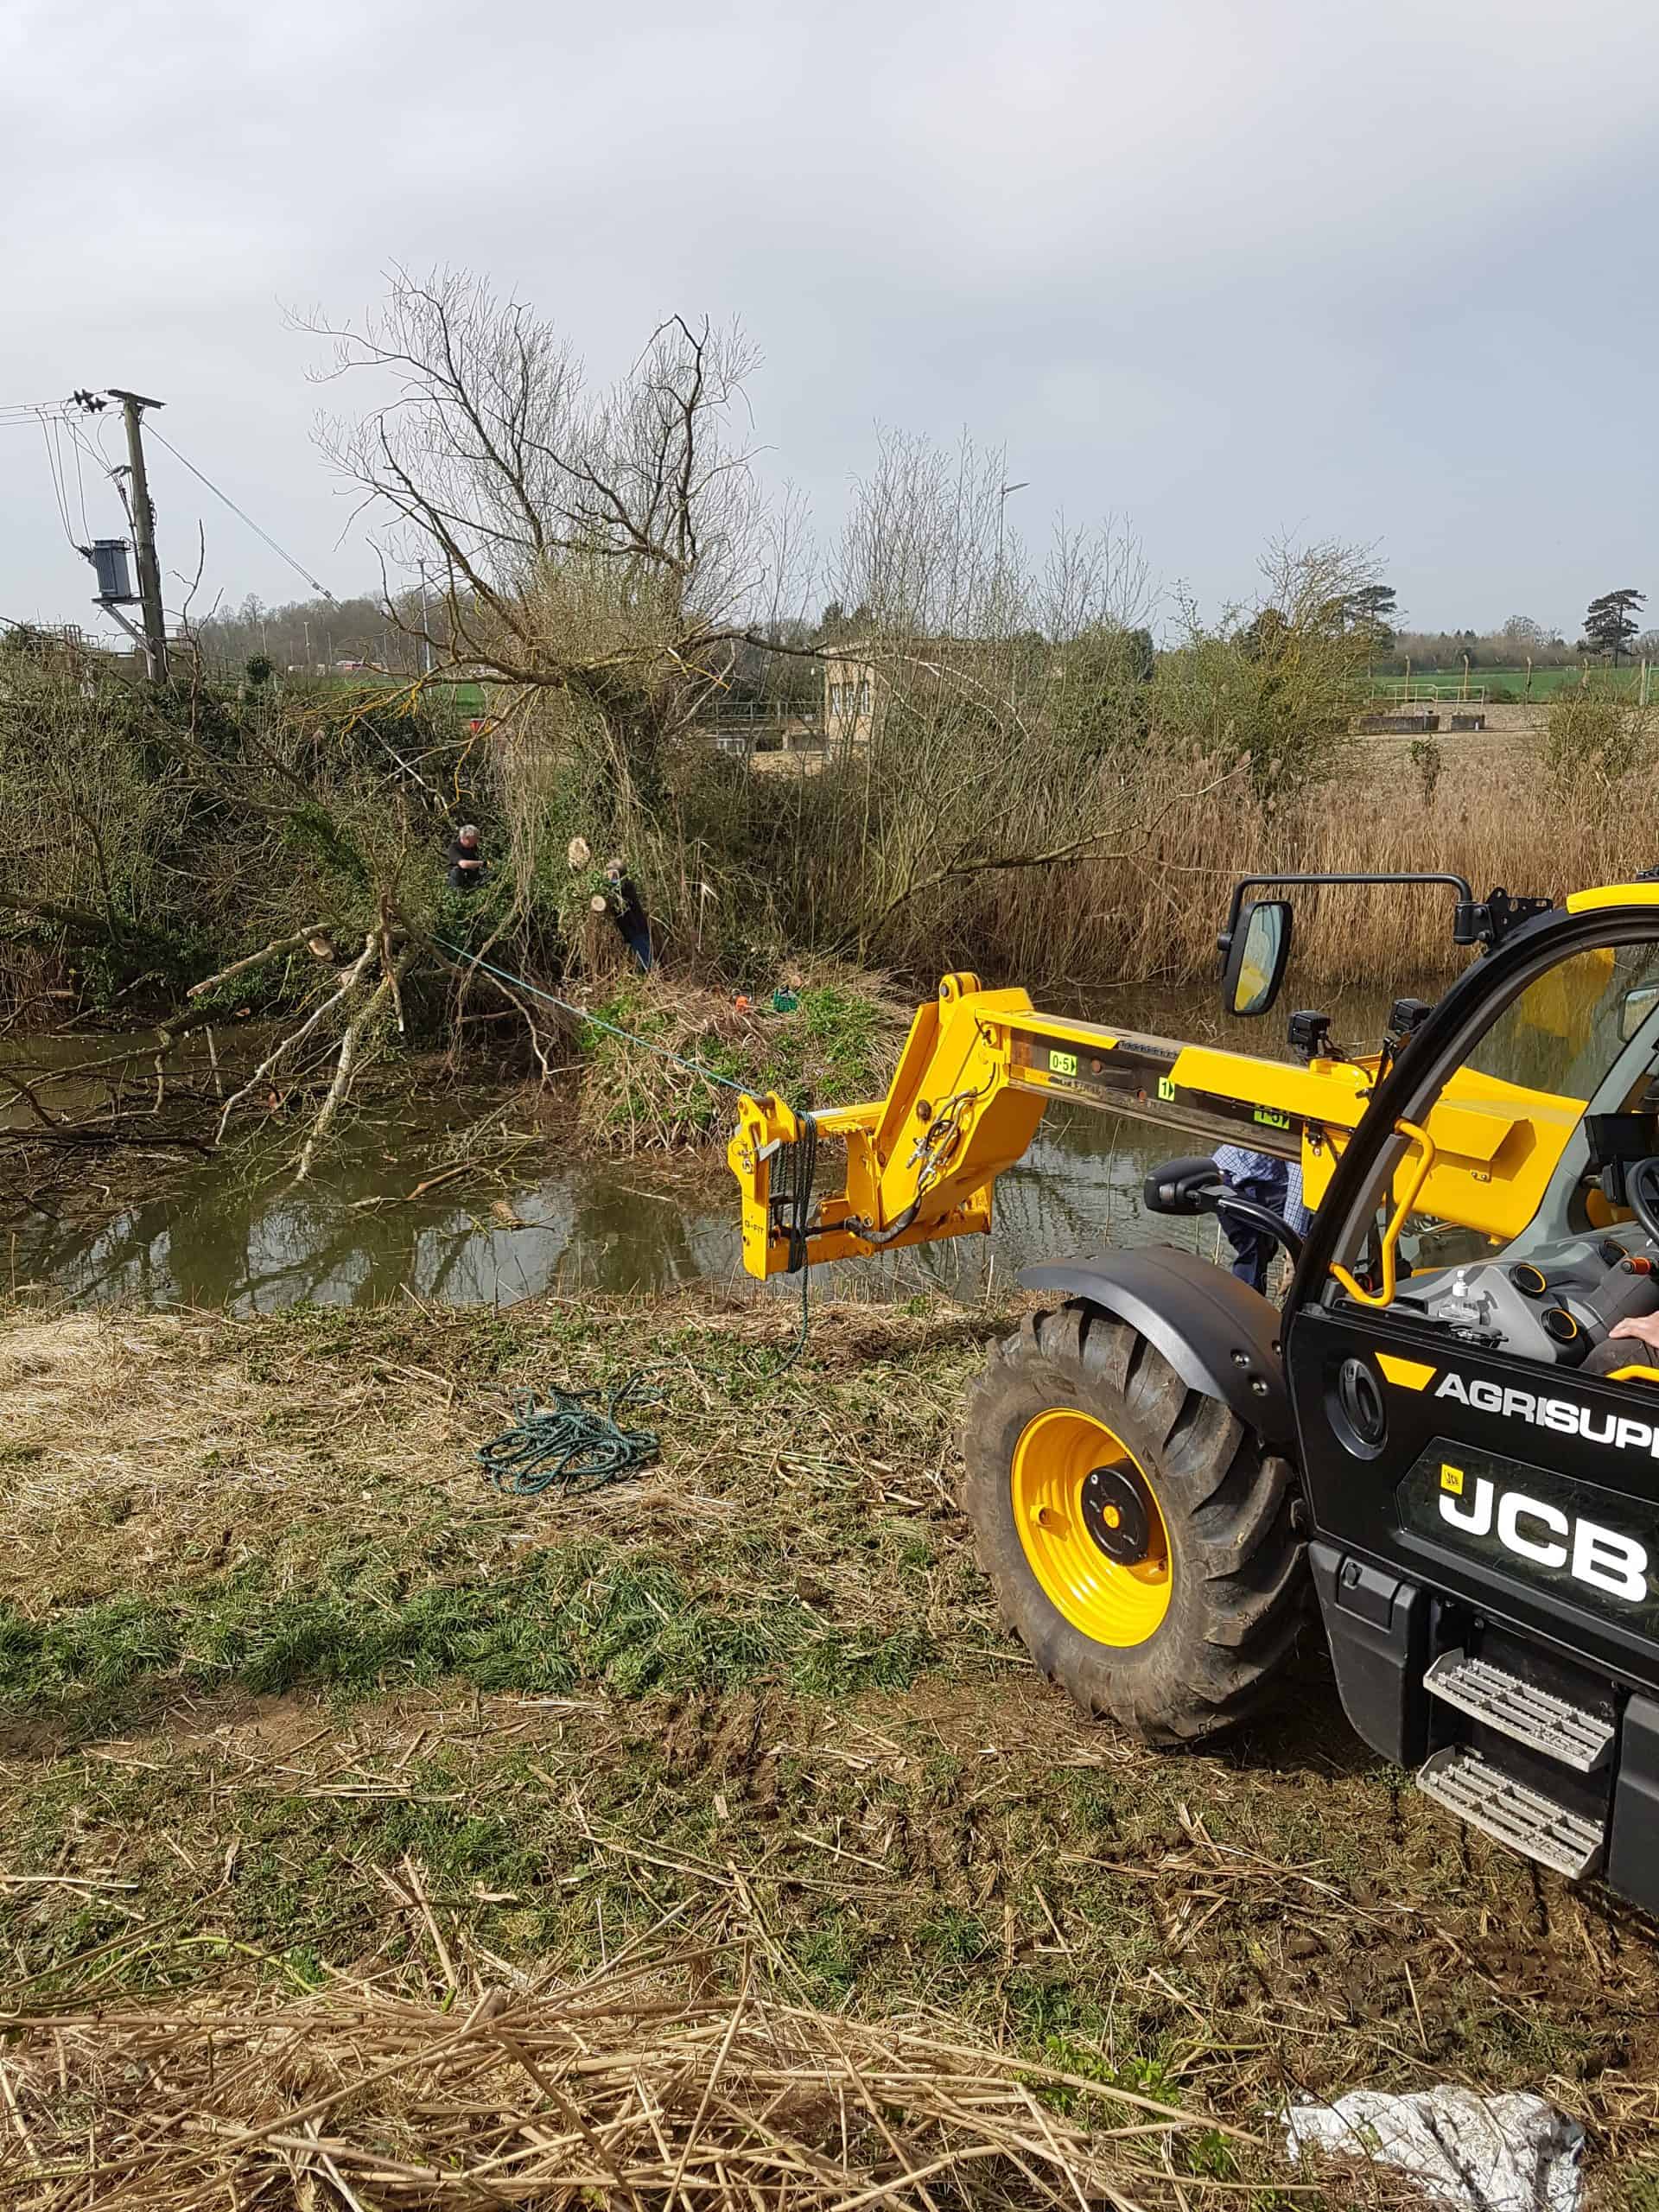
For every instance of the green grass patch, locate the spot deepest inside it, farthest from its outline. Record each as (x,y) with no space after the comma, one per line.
(582,1613)
(834,1045)
(1505,686)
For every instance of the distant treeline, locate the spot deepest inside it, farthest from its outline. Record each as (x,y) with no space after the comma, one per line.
(318,634)
(1521,640)
(315,634)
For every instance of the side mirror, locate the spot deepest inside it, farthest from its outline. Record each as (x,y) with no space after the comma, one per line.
(1634,1009)
(1196,1186)
(1256,956)
(1189,1185)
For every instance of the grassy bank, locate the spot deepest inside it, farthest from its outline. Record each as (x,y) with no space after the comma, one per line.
(833,1037)
(319,1754)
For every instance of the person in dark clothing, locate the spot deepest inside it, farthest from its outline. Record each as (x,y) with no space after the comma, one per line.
(1276,1184)
(466,861)
(628,912)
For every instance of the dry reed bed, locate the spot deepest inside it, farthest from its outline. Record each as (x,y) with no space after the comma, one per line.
(1146,907)
(642,2085)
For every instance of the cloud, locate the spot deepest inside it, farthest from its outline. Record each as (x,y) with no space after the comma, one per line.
(1233,267)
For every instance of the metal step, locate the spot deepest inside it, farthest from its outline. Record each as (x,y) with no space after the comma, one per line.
(1544,1723)
(1503,1807)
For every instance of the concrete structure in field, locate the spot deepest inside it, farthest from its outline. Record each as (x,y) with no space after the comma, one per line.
(850,690)
(857,686)
(755,728)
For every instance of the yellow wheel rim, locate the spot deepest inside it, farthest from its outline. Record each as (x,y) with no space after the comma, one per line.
(1077,1489)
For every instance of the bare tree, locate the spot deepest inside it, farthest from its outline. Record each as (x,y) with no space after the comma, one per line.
(1008,698)
(1521,629)
(611,549)
(1096,579)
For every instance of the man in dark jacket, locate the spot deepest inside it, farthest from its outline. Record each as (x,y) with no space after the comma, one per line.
(628,912)
(466,861)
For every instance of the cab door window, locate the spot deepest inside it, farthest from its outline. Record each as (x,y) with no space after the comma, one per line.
(1527,1233)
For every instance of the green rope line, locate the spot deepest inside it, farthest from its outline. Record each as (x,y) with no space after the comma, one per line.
(566,1443)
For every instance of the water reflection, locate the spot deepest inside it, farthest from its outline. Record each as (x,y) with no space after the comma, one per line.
(233,1240)
(236,1235)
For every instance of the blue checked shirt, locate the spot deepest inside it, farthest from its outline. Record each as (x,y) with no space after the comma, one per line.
(1239,1165)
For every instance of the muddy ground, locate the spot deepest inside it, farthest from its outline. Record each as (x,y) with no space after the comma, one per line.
(291,1700)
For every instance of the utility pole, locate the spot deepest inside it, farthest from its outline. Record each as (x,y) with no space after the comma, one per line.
(426,625)
(143,536)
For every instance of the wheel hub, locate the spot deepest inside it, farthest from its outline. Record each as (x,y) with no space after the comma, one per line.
(1115,1514)
(1091,1527)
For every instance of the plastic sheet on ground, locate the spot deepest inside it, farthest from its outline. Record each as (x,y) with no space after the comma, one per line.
(1509,2153)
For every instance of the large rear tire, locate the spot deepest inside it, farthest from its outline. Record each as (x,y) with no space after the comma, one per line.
(1139,1537)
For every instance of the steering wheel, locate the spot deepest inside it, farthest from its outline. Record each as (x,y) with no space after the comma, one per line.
(1642,1189)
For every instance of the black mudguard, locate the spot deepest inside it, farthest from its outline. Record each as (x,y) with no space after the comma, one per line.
(1220,1335)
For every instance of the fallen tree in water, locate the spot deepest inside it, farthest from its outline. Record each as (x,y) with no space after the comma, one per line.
(85,1132)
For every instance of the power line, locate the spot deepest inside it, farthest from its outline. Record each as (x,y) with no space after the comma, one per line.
(103,424)
(281,553)
(98,458)
(52,462)
(100,461)
(80,481)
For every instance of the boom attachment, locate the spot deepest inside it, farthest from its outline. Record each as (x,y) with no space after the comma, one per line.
(979,1068)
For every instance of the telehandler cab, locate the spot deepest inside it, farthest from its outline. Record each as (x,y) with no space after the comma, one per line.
(1438,1432)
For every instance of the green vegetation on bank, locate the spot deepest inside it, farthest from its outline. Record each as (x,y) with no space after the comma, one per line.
(829,1040)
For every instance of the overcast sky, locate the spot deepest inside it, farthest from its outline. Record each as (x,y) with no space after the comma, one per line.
(1230,267)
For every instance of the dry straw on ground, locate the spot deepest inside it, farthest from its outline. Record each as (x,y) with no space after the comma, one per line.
(630,2088)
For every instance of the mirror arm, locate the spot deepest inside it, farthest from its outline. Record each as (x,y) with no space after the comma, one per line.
(1471,914)
(1262,1218)
(1167,1191)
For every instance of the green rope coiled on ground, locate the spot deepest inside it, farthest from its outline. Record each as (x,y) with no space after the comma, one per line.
(567,1442)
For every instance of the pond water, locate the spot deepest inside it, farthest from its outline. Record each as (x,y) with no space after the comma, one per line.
(235,1233)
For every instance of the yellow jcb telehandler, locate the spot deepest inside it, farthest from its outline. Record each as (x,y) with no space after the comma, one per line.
(1439,1433)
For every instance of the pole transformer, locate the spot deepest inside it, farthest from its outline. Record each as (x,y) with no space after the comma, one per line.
(133,404)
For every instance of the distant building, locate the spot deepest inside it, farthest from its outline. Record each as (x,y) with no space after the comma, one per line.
(850,685)
(856,686)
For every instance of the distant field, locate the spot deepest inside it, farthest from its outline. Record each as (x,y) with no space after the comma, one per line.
(466,698)
(1501,684)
